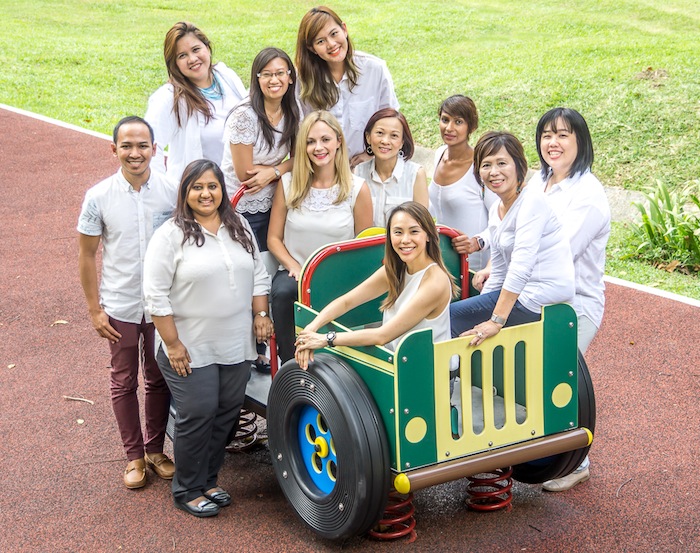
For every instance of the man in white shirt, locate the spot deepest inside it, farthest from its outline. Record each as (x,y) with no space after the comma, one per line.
(122,211)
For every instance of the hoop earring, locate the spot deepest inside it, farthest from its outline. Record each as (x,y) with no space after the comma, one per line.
(401,154)
(368,149)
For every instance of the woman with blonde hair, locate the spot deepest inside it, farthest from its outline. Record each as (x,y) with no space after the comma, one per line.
(188,112)
(319,203)
(413,276)
(334,76)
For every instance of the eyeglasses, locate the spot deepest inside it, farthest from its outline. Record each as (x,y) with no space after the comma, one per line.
(266,75)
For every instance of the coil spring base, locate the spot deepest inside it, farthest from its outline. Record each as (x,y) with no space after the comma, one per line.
(398,518)
(246,432)
(490,491)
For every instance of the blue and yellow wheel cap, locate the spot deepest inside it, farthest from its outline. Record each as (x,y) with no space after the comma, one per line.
(317,449)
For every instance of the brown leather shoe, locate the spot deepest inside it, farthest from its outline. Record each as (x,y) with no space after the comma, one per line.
(161,465)
(135,474)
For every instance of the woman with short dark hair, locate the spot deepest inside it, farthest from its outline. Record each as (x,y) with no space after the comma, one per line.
(530,256)
(565,148)
(456,199)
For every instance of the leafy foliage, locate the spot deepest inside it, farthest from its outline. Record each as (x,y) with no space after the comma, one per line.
(669,232)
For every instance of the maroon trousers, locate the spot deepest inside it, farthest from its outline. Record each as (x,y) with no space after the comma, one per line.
(134,350)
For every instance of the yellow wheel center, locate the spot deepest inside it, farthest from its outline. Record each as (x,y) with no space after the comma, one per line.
(321,447)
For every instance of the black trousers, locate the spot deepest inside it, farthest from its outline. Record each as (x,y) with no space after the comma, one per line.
(283,294)
(208,402)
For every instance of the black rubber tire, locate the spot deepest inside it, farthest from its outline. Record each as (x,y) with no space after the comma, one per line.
(560,465)
(362,478)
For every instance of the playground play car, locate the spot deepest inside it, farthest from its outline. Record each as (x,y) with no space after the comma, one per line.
(363,420)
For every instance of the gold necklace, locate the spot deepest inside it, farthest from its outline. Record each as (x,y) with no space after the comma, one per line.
(271,118)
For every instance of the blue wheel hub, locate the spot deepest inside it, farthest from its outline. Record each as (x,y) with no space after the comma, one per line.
(317,449)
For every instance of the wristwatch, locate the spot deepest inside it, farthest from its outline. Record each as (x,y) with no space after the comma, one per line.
(330,337)
(480,242)
(498,320)
(261,313)
(277,172)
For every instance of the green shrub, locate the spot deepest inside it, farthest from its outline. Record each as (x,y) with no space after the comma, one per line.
(669,233)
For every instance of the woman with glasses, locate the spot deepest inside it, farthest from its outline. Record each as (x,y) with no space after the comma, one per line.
(260,133)
(188,112)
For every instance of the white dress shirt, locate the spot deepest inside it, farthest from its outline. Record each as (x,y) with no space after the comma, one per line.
(126,220)
(374,90)
(208,290)
(530,253)
(186,142)
(582,207)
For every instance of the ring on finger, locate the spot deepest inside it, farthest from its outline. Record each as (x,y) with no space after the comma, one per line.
(479,334)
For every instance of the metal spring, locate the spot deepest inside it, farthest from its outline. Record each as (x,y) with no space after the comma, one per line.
(246,432)
(490,491)
(398,518)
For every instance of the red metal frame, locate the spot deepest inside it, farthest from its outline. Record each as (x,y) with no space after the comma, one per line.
(237,196)
(315,261)
(311,266)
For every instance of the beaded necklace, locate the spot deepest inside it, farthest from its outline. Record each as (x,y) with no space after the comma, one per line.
(213,92)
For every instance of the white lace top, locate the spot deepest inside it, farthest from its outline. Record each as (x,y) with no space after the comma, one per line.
(319,222)
(243,127)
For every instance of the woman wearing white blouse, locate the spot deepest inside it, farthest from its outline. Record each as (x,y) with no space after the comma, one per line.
(203,281)
(392,178)
(565,148)
(334,76)
(259,136)
(188,113)
(531,258)
(320,203)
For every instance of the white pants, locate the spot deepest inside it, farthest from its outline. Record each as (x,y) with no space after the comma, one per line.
(586,332)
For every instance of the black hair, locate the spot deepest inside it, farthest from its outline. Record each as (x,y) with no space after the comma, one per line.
(132,119)
(576,124)
(184,218)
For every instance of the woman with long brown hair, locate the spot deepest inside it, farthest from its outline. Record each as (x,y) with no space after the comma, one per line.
(335,77)
(413,276)
(188,112)
(206,290)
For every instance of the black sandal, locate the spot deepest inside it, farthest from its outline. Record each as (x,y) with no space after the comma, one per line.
(263,367)
(221,497)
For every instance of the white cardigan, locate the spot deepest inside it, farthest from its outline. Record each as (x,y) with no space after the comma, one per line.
(183,141)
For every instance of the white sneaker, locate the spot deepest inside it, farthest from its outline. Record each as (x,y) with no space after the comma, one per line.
(567,482)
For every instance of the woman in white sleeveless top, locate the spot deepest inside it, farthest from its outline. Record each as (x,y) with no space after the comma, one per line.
(456,199)
(413,275)
(319,203)
(391,175)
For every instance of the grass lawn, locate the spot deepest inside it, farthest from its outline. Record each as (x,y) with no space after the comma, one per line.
(631,67)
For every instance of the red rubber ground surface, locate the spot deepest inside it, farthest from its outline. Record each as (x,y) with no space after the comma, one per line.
(60,481)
